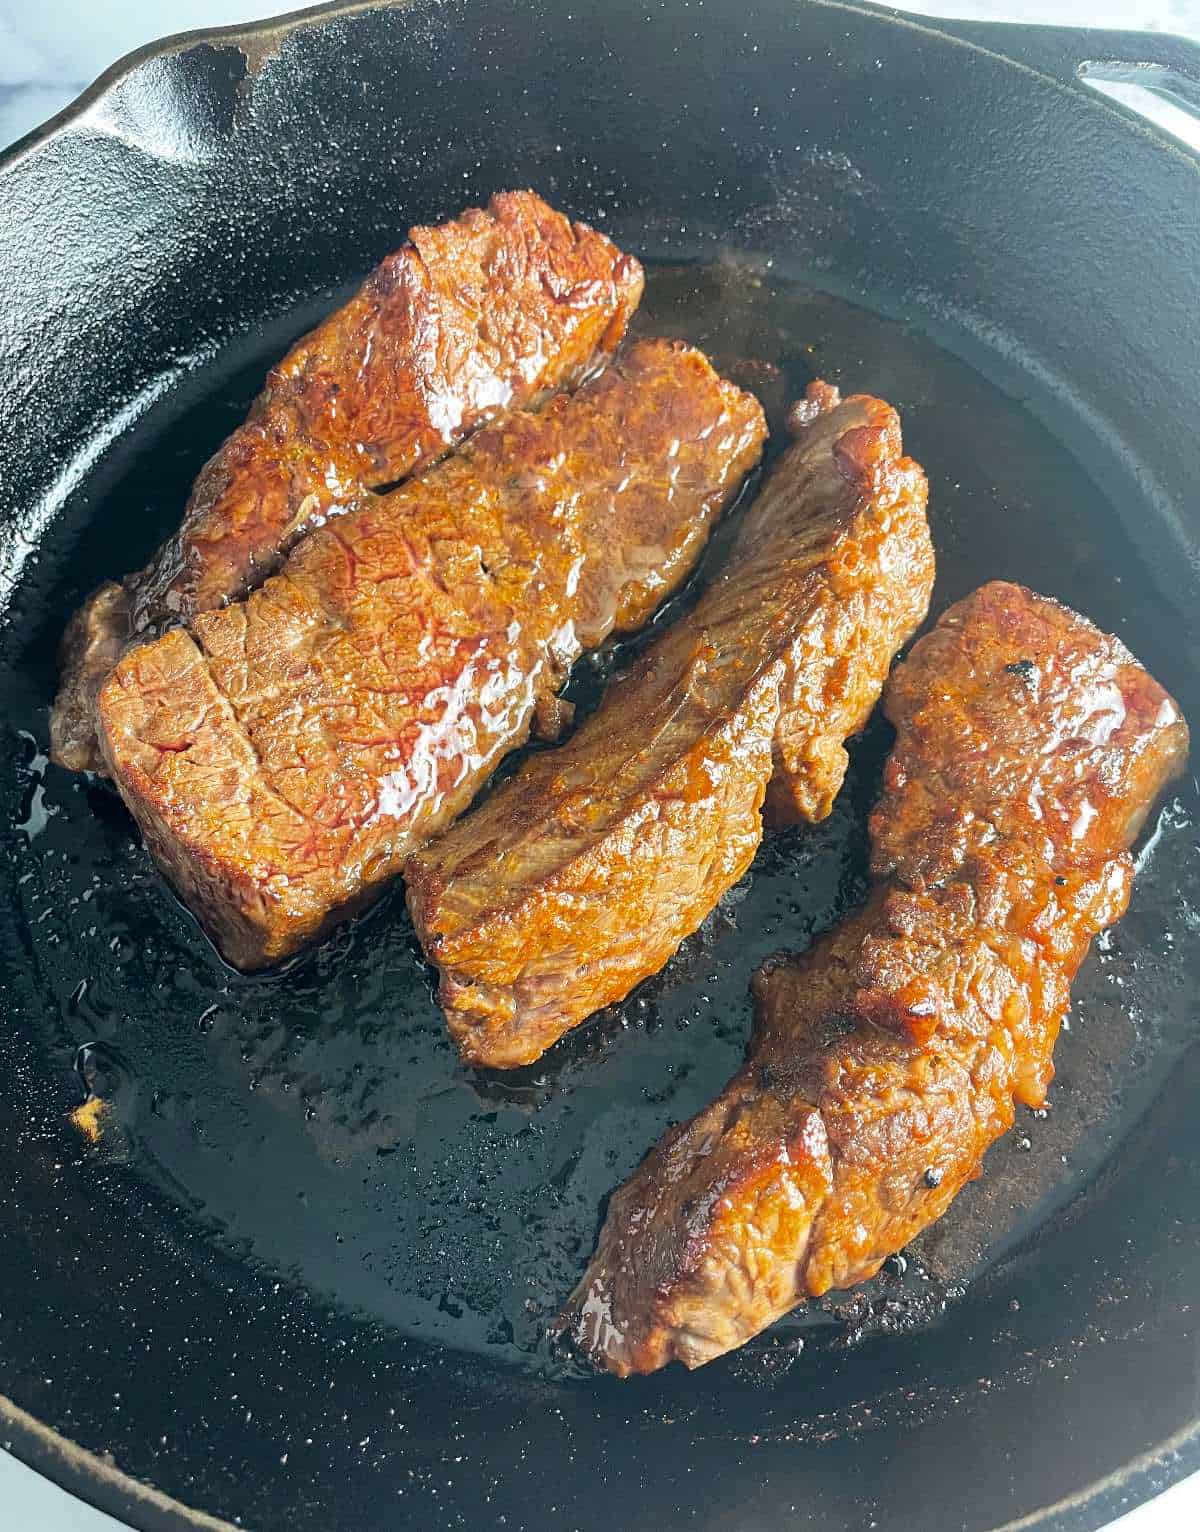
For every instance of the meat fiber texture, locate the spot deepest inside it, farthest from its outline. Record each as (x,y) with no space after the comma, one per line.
(887,1058)
(583,873)
(483,314)
(286,756)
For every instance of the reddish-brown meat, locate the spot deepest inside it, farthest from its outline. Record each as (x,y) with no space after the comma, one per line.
(889,1057)
(286,756)
(584,872)
(480,315)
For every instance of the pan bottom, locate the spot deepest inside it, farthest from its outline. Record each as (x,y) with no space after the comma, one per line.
(315,1123)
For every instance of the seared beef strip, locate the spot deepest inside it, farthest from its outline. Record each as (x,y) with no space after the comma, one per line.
(287,755)
(583,873)
(888,1057)
(468,319)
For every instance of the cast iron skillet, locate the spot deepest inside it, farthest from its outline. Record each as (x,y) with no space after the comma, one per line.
(300,1279)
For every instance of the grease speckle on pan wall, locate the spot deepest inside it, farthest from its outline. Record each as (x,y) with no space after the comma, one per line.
(315,1122)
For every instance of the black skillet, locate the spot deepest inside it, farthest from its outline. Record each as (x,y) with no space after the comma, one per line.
(300,1279)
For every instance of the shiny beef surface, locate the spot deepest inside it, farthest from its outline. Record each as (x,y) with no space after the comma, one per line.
(285,756)
(582,874)
(473,317)
(888,1058)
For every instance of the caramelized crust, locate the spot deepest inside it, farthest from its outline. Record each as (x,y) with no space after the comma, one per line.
(286,756)
(582,874)
(889,1057)
(480,315)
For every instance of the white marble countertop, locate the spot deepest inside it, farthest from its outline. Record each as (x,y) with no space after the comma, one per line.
(51,51)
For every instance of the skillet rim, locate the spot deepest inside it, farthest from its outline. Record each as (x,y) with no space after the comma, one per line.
(99,1482)
(962,33)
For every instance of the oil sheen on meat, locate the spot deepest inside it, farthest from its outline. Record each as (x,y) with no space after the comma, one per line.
(582,874)
(286,755)
(479,315)
(887,1058)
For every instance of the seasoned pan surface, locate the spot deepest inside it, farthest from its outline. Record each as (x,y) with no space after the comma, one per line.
(315,1122)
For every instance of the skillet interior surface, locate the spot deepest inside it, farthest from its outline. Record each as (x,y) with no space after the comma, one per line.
(301,1277)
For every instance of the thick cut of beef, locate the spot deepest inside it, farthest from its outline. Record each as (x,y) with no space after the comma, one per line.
(286,755)
(887,1058)
(474,317)
(583,873)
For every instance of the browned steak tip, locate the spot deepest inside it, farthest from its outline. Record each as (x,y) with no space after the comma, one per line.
(286,756)
(93,642)
(583,873)
(480,315)
(1029,749)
